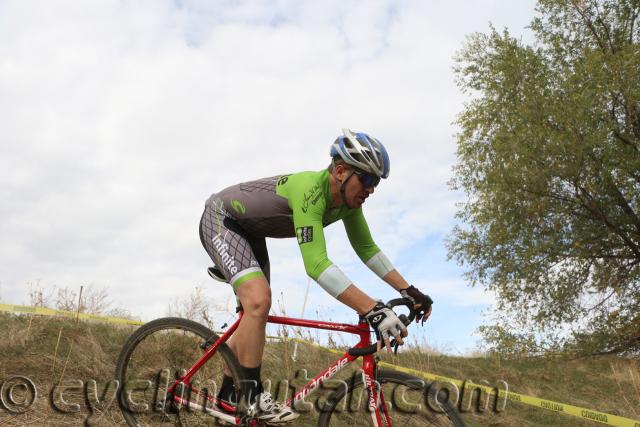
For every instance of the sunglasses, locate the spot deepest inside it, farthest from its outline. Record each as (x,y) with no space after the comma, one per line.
(366,179)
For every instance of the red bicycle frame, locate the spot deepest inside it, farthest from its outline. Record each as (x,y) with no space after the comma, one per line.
(375,400)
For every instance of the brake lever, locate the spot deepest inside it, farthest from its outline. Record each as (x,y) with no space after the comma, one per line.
(394,343)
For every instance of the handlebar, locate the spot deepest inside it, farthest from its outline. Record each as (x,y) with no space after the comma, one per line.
(363,351)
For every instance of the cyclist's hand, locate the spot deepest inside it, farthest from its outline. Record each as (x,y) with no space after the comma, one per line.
(386,324)
(422,302)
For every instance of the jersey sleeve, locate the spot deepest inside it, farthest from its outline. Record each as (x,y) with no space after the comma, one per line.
(359,235)
(307,209)
(307,221)
(362,242)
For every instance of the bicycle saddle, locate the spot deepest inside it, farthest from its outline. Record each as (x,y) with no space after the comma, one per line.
(216,274)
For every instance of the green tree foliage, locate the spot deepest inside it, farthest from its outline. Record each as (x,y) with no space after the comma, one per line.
(549,160)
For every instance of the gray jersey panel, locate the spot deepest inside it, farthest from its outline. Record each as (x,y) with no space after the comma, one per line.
(256,207)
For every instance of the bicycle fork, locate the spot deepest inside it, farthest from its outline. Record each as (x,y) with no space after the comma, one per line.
(376,404)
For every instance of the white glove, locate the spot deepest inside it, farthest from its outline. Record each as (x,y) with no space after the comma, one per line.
(386,325)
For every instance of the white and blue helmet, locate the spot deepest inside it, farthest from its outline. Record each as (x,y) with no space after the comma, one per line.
(363,152)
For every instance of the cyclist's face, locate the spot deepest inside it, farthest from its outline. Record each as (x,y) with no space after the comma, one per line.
(355,192)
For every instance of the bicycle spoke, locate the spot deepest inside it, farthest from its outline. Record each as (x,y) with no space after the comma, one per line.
(152,365)
(403,397)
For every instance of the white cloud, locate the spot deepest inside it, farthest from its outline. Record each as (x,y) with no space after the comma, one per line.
(120,118)
(457,292)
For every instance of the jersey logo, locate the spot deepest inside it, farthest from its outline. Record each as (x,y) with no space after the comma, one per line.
(283,179)
(312,196)
(304,234)
(238,206)
(227,259)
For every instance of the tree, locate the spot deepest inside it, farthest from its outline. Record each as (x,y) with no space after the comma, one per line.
(549,161)
(94,301)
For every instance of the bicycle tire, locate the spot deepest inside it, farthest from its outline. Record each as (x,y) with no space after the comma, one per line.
(339,408)
(165,348)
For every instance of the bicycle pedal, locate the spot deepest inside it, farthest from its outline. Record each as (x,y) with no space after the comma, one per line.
(255,422)
(177,391)
(166,407)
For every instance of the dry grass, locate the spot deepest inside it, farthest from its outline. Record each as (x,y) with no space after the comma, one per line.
(627,377)
(54,351)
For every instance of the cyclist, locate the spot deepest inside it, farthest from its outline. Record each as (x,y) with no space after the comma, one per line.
(236,221)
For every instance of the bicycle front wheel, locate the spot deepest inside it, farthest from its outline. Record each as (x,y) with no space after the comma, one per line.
(156,355)
(408,402)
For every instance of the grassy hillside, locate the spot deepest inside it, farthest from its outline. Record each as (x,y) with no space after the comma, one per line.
(52,351)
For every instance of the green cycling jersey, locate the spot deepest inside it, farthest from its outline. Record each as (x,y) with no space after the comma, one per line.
(300,205)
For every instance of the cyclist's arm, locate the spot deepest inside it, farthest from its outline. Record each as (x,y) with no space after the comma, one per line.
(307,222)
(322,270)
(356,299)
(395,279)
(369,253)
(362,242)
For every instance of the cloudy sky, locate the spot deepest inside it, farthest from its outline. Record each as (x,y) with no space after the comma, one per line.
(119,118)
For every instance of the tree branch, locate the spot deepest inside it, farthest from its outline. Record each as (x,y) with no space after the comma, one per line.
(591,205)
(634,118)
(550,195)
(599,304)
(630,343)
(633,23)
(625,141)
(606,29)
(629,115)
(623,203)
(589,24)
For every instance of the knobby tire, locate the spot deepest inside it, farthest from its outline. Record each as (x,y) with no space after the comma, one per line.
(411,402)
(154,356)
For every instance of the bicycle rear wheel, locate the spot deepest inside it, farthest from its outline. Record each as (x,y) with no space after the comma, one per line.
(152,359)
(409,400)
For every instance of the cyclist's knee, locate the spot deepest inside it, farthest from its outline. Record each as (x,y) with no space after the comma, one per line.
(258,308)
(255,296)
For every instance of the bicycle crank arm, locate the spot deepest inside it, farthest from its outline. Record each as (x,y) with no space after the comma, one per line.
(197,407)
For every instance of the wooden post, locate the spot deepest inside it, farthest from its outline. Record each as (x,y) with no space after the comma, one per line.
(294,356)
(79,303)
(55,353)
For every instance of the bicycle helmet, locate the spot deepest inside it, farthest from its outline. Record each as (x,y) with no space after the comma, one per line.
(363,152)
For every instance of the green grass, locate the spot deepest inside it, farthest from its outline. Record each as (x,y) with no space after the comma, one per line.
(54,351)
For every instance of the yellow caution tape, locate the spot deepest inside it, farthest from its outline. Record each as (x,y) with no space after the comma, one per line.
(576,411)
(41,311)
